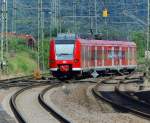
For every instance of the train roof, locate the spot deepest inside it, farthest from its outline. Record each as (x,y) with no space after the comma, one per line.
(71,38)
(106,42)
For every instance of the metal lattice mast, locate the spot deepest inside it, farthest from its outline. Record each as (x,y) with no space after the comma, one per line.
(4,40)
(54,12)
(74,15)
(14,16)
(59,16)
(90,16)
(148,25)
(42,34)
(50,19)
(95,15)
(38,41)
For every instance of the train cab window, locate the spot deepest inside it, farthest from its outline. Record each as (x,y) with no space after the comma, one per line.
(64,49)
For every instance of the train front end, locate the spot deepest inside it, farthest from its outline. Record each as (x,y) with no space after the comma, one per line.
(64,60)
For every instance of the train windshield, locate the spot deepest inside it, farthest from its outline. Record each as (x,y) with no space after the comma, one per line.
(64,50)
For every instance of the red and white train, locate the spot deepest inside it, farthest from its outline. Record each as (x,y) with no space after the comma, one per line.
(72,55)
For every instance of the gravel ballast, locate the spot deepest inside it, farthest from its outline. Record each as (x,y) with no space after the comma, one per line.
(77,103)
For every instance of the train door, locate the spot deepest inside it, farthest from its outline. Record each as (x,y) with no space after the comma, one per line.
(89,57)
(83,59)
(130,56)
(108,56)
(133,50)
(124,56)
(99,56)
(134,56)
(86,56)
(116,56)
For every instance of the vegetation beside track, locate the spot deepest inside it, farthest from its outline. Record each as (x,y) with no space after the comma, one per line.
(22,58)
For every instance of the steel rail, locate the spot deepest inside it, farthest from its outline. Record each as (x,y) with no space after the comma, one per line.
(125,103)
(128,96)
(13,104)
(50,109)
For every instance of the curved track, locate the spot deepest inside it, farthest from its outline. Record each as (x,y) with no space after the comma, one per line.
(18,106)
(61,118)
(120,100)
(35,84)
(57,113)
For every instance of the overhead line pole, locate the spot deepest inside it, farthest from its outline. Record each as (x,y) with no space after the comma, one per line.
(96,16)
(148,25)
(38,42)
(4,40)
(75,15)
(42,35)
(14,16)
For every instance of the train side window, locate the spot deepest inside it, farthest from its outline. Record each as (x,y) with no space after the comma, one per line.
(93,53)
(105,54)
(99,54)
(130,53)
(119,54)
(83,52)
(123,54)
(90,54)
(126,54)
(110,54)
(133,53)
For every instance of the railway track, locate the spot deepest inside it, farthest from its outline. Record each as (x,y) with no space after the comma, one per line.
(57,115)
(113,97)
(19,114)
(34,84)
(50,109)
(119,99)
(22,81)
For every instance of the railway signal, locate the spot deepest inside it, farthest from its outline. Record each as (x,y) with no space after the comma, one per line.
(105,13)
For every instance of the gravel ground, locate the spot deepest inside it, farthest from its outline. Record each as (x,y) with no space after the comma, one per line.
(2,77)
(78,103)
(133,87)
(5,95)
(30,108)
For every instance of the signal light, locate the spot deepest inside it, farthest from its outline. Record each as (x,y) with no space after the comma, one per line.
(105,13)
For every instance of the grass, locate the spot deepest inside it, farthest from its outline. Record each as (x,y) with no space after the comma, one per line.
(21,63)
(23,59)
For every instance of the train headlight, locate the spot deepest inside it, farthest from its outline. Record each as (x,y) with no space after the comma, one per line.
(52,61)
(76,60)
